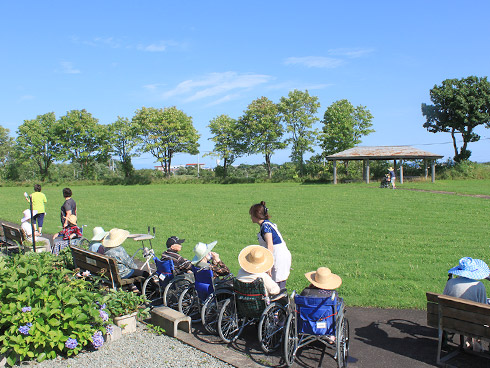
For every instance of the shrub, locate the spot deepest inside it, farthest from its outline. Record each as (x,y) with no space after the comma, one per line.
(46,310)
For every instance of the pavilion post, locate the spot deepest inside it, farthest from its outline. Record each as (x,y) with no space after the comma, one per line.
(367,171)
(426,169)
(401,172)
(335,171)
(433,170)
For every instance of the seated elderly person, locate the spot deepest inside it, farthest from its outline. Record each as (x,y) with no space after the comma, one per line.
(41,243)
(125,264)
(95,242)
(174,246)
(70,231)
(466,285)
(255,261)
(322,283)
(205,258)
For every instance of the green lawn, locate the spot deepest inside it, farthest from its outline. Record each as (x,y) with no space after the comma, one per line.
(457,186)
(389,246)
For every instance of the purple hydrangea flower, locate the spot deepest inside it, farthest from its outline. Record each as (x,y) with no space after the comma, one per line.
(104,315)
(71,343)
(24,330)
(103,306)
(97,339)
(29,324)
(109,329)
(26,309)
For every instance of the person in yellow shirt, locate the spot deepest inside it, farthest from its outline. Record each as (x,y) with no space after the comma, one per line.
(38,201)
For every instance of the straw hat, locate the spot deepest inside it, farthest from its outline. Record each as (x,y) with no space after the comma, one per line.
(99,233)
(474,269)
(390,168)
(256,259)
(27,215)
(201,250)
(72,219)
(115,238)
(323,278)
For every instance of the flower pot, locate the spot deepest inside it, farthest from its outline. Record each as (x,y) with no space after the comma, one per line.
(127,322)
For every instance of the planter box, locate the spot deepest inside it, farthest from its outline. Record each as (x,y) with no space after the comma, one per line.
(127,323)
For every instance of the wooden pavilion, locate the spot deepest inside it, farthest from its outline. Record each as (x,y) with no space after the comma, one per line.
(394,153)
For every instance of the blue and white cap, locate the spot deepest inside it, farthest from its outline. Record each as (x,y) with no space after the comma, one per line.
(470,268)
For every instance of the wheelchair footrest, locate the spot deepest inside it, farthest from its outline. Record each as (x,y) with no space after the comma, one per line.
(170,320)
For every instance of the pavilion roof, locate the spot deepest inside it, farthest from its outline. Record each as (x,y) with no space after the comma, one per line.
(383,153)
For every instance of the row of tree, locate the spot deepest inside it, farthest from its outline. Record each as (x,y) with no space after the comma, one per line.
(264,128)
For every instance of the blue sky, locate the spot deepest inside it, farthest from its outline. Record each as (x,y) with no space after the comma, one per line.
(215,57)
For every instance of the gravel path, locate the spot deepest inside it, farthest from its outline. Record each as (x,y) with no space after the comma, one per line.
(139,349)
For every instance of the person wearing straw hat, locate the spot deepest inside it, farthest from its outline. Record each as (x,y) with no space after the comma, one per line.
(322,283)
(392,176)
(27,229)
(269,237)
(71,230)
(125,264)
(466,284)
(255,261)
(205,258)
(95,242)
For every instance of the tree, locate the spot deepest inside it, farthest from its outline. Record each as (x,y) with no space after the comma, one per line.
(460,105)
(262,129)
(6,146)
(343,126)
(298,112)
(37,141)
(165,132)
(83,140)
(124,140)
(227,140)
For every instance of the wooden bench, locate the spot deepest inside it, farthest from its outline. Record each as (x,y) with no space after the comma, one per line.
(460,316)
(14,239)
(98,263)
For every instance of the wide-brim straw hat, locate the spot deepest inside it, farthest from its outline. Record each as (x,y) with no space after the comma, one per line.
(256,259)
(99,233)
(201,250)
(323,278)
(27,215)
(390,168)
(72,219)
(474,269)
(115,238)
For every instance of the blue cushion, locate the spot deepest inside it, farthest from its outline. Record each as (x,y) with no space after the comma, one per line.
(317,316)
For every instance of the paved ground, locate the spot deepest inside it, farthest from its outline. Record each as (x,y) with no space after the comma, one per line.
(379,338)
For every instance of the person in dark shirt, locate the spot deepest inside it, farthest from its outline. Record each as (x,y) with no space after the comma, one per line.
(174,246)
(69,207)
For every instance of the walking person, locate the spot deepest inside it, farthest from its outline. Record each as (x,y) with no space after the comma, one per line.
(269,237)
(392,177)
(68,208)
(38,201)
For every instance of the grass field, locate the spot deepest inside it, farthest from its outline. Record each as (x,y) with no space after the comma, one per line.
(389,246)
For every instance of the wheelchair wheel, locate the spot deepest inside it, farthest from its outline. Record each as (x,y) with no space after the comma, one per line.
(173,290)
(342,342)
(210,310)
(189,303)
(84,243)
(228,322)
(153,291)
(290,342)
(271,327)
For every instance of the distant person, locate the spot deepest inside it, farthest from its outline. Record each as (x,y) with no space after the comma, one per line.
(174,246)
(38,201)
(95,242)
(269,237)
(205,258)
(391,172)
(322,283)
(255,261)
(68,208)
(27,229)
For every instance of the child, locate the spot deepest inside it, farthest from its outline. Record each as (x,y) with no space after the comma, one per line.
(174,246)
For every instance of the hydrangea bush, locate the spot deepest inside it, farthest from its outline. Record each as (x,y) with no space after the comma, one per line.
(47,310)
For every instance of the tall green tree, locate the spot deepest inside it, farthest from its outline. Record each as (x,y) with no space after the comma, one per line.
(459,106)
(343,126)
(124,141)
(227,138)
(83,140)
(298,112)
(37,140)
(6,146)
(165,132)
(262,129)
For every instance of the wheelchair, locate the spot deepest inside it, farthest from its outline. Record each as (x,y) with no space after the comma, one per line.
(155,284)
(385,182)
(315,319)
(202,299)
(249,305)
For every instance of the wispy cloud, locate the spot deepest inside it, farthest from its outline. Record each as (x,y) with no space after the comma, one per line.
(315,61)
(115,43)
(350,53)
(159,46)
(67,68)
(26,98)
(216,84)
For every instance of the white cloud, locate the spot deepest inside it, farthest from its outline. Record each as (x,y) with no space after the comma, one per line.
(156,47)
(216,84)
(315,61)
(26,98)
(67,68)
(350,53)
